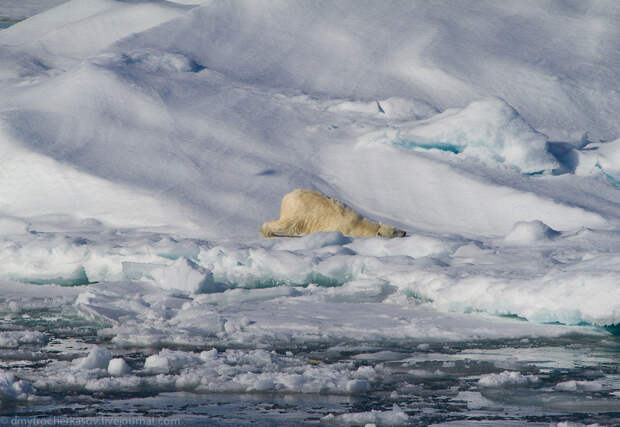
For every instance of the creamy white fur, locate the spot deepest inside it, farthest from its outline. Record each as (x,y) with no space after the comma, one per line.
(308,211)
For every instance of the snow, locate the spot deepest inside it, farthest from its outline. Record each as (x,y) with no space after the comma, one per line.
(21,9)
(394,417)
(212,140)
(98,358)
(143,144)
(12,388)
(10,225)
(163,363)
(184,275)
(572,424)
(118,367)
(330,267)
(486,129)
(165,284)
(507,379)
(15,339)
(579,386)
(600,159)
(209,371)
(528,232)
(609,157)
(83,28)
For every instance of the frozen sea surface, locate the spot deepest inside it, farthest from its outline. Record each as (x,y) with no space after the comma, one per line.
(143,144)
(322,329)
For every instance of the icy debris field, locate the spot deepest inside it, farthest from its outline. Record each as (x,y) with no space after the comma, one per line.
(144,143)
(338,330)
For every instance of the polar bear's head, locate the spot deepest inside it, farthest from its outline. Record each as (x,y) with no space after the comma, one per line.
(389,231)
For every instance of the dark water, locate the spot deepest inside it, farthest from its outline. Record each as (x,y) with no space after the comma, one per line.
(434,383)
(6,23)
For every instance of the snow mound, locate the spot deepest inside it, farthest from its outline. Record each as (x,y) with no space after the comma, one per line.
(257,267)
(118,367)
(489,129)
(415,246)
(507,379)
(15,339)
(81,28)
(168,361)
(184,275)
(12,388)
(528,232)
(394,417)
(581,386)
(602,158)
(609,158)
(312,241)
(98,358)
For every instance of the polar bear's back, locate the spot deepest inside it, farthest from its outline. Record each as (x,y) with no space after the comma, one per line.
(312,204)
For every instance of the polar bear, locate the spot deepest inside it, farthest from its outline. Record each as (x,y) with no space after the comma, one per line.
(308,211)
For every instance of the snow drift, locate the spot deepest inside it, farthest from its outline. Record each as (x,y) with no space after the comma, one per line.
(488,128)
(174,114)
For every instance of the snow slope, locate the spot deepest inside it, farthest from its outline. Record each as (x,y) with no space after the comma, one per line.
(180,112)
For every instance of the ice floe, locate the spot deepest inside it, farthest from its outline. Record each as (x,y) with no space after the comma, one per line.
(15,339)
(393,417)
(507,379)
(118,367)
(12,388)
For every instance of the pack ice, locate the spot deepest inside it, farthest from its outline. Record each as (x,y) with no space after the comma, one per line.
(142,145)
